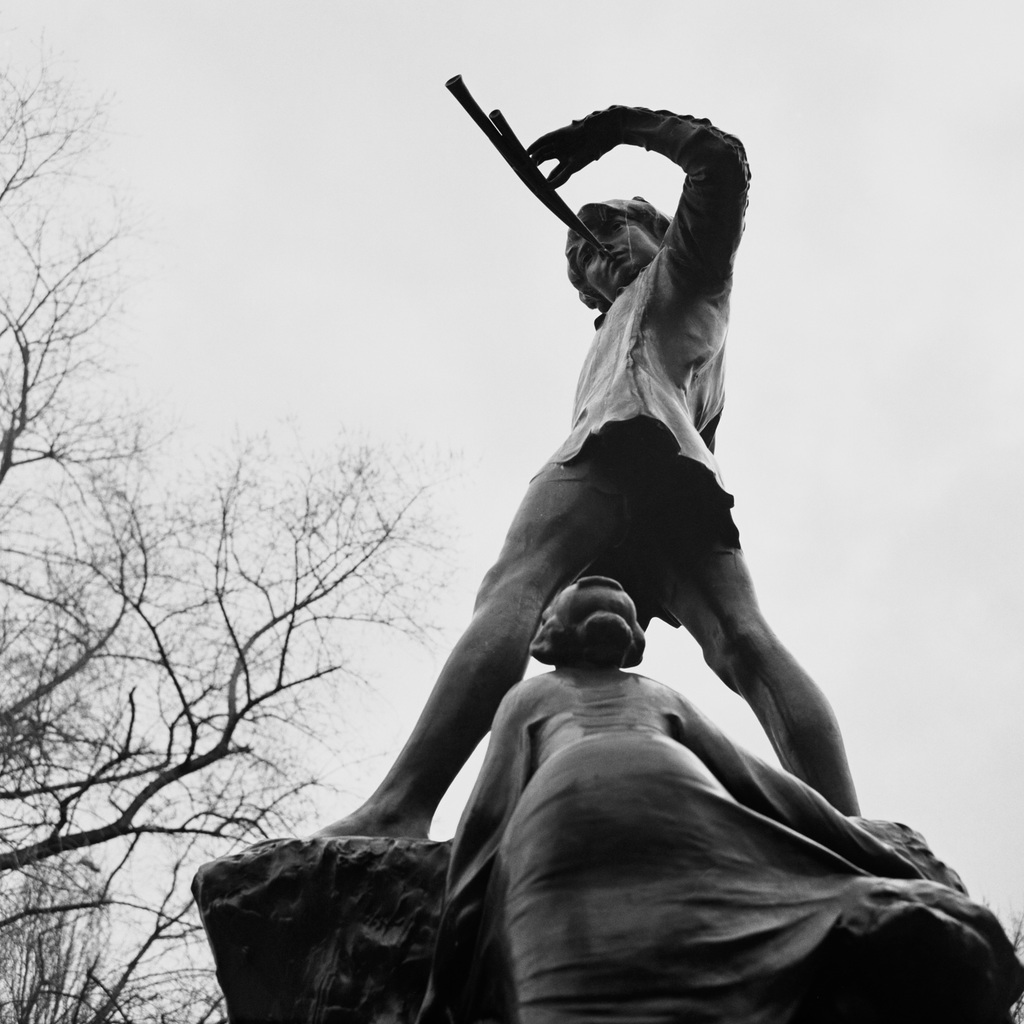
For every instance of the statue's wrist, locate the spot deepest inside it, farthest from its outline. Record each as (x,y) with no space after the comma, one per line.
(610,123)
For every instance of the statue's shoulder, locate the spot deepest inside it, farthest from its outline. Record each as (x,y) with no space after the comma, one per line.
(532,694)
(668,701)
(652,688)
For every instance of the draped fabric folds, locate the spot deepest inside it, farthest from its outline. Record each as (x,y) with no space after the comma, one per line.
(621,860)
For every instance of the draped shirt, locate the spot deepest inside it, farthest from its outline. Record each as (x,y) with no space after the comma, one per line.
(659,352)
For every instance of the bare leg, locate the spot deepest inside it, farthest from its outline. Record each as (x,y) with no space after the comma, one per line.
(559,529)
(718,606)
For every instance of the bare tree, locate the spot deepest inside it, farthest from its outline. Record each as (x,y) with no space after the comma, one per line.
(58,229)
(166,645)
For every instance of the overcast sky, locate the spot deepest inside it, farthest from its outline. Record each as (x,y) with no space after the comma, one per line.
(328,238)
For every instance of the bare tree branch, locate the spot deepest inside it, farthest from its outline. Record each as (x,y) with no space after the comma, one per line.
(167,645)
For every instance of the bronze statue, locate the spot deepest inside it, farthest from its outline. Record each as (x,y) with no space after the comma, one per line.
(621,860)
(635,490)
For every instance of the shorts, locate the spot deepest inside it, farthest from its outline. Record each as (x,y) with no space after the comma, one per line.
(674,510)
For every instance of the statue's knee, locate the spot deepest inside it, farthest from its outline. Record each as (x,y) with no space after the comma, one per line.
(749,639)
(490,584)
(511,585)
(738,651)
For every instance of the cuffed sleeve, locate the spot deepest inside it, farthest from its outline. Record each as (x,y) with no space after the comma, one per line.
(706,230)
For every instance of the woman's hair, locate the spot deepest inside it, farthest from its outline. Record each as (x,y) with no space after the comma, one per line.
(605,636)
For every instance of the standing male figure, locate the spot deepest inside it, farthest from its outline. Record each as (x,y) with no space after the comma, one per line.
(634,493)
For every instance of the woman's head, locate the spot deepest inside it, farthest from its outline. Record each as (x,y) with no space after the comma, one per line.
(590,623)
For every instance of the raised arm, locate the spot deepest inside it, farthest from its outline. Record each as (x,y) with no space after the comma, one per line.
(708,224)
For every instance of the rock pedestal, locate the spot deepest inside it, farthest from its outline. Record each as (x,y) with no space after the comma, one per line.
(324,931)
(342,931)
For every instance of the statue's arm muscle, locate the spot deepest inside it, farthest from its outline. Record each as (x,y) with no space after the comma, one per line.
(705,232)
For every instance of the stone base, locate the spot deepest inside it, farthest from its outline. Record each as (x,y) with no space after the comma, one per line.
(357,952)
(341,931)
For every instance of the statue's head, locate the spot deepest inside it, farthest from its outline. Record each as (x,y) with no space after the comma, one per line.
(590,623)
(632,229)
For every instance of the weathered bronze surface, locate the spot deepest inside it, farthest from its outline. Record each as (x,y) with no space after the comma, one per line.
(621,860)
(323,931)
(635,491)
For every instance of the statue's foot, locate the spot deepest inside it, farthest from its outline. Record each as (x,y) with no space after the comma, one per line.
(373,819)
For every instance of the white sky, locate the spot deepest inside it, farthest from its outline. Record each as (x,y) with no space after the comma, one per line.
(330,239)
